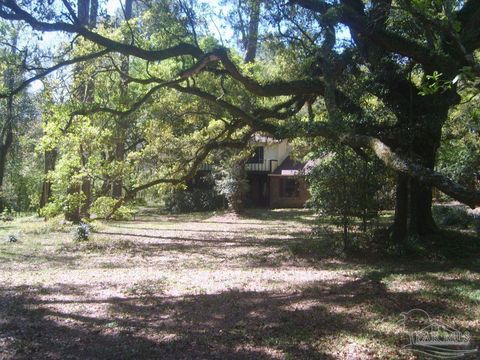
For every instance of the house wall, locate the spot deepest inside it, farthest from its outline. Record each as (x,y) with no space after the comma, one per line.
(276,151)
(278,201)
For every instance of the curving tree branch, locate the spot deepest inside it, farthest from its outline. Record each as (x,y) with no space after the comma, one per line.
(52,69)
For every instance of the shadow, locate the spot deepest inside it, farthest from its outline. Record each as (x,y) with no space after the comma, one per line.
(230,325)
(243,241)
(303,216)
(53,260)
(58,323)
(209,231)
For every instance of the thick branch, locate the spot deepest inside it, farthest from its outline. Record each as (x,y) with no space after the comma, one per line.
(388,40)
(199,159)
(48,71)
(18,14)
(406,166)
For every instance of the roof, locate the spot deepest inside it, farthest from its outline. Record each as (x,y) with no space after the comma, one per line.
(263,139)
(290,167)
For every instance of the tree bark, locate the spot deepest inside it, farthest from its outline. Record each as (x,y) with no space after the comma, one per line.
(7,140)
(400,223)
(252,34)
(7,130)
(50,160)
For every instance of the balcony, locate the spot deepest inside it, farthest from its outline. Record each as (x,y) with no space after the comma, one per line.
(265,166)
(262,166)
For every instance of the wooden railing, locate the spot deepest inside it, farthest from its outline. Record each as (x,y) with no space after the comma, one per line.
(264,166)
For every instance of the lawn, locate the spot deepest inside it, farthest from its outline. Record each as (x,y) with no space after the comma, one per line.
(214,286)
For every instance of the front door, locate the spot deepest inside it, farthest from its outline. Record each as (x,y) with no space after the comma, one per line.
(258,192)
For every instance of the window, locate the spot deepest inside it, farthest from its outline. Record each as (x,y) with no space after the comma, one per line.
(257,156)
(289,188)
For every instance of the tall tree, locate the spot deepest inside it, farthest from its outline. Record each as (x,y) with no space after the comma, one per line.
(6,134)
(86,18)
(410,71)
(123,121)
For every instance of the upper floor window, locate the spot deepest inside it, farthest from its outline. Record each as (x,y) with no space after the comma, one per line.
(257,156)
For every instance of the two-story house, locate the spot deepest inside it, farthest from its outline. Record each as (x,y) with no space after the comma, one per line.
(275,180)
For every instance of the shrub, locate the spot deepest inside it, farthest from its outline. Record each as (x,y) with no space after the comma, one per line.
(102,207)
(51,210)
(7,215)
(82,232)
(191,200)
(452,216)
(72,202)
(232,183)
(349,190)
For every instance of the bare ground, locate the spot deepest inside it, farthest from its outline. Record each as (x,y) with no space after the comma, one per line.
(214,287)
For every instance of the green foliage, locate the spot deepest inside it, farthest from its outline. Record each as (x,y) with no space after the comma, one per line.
(349,190)
(459,153)
(434,84)
(456,216)
(7,214)
(51,210)
(231,182)
(192,200)
(72,202)
(82,232)
(103,206)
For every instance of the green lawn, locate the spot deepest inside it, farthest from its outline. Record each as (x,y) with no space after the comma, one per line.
(214,286)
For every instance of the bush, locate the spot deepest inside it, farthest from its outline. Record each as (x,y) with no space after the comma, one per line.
(82,232)
(349,190)
(102,207)
(51,210)
(191,200)
(232,183)
(452,216)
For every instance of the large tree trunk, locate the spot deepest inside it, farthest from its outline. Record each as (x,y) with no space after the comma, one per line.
(7,130)
(413,211)
(50,160)
(252,34)
(400,223)
(7,139)
(420,203)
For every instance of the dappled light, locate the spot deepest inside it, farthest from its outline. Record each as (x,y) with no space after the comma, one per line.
(239,179)
(216,287)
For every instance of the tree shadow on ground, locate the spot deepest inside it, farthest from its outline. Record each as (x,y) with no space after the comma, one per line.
(302,216)
(231,325)
(40,323)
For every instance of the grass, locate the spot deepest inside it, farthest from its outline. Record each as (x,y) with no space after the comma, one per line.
(214,286)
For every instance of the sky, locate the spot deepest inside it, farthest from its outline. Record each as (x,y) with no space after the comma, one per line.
(112,6)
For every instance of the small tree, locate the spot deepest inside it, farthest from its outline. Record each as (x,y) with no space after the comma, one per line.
(232,182)
(347,188)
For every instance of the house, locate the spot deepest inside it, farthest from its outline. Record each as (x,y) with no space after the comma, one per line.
(275,179)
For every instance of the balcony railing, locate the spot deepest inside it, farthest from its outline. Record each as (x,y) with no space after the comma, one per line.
(263,166)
